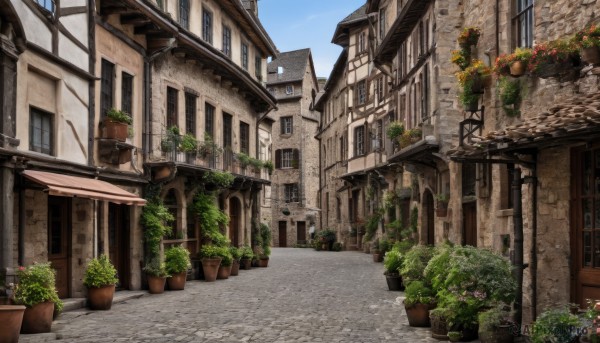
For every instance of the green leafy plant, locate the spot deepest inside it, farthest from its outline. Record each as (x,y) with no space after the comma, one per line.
(418,292)
(454,336)
(155,217)
(588,37)
(442,197)
(256,163)
(156,267)
(469,36)
(462,58)
(118,116)
(208,147)
(326,235)
(188,143)
(243,159)
(236,253)
(177,260)
(246,252)
(414,263)
(372,224)
(37,284)
(385,245)
(395,130)
(475,76)
(268,165)
(99,273)
(209,251)
(555,325)
(171,140)
(490,319)
(225,255)
(392,262)
(211,219)
(510,95)
(221,179)
(265,235)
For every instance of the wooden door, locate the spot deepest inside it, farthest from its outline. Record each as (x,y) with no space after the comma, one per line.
(429,219)
(234,221)
(59,243)
(469,224)
(118,242)
(282,234)
(585,223)
(301,232)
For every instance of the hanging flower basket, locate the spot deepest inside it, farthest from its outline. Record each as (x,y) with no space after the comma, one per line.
(518,68)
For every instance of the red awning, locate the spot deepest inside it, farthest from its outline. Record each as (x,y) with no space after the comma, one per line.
(74,186)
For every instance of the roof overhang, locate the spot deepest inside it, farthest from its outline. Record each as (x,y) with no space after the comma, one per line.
(403,26)
(421,153)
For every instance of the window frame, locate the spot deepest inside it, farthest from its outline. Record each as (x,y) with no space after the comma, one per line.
(127,93)
(227,40)
(191,111)
(184,13)
(209,120)
(289,90)
(244,52)
(361,92)
(523,17)
(291,193)
(244,138)
(107,86)
(33,111)
(172,107)
(43,4)
(258,67)
(287,125)
(382,22)
(207,25)
(359,141)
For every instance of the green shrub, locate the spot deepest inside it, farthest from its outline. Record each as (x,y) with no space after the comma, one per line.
(211,219)
(37,284)
(418,292)
(337,246)
(415,261)
(99,273)
(177,260)
(118,116)
(556,325)
(392,262)
(265,235)
(225,255)
(221,179)
(189,143)
(209,251)
(156,267)
(246,252)
(155,217)
(236,253)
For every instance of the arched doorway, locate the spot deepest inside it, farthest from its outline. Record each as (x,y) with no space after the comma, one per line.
(428,217)
(235,219)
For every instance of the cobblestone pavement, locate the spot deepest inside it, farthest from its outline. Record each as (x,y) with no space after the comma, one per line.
(303,296)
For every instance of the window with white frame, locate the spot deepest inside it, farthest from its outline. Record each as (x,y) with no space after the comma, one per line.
(359,141)
(289,89)
(287,157)
(291,192)
(361,92)
(287,125)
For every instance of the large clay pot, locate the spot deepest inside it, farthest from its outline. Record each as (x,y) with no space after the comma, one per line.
(263,262)
(394,282)
(500,334)
(377,256)
(210,266)
(11,317)
(115,130)
(223,272)
(246,263)
(235,268)
(418,315)
(100,298)
(38,318)
(439,327)
(156,284)
(517,68)
(177,281)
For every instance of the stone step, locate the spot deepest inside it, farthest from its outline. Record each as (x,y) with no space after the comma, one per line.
(72,304)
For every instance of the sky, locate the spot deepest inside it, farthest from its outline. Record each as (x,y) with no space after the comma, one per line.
(299,24)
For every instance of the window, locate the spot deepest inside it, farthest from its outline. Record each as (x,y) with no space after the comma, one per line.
(106,87)
(171,107)
(209,119)
(289,89)
(127,93)
(380,88)
(227,123)
(245,56)
(522,23)
(258,67)
(227,41)
(509,174)
(338,209)
(359,141)
(48,5)
(244,138)
(425,92)
(272,90)
(287,125)
(291,192)
(378,135)
(184,13)
(287,158)
(362,42)
(342,148)
(381,23)
(469,177)
(190,113)
(207,19)
(361,92)
(40,131)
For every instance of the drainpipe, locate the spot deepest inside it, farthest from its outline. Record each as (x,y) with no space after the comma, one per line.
(534,196)
(92,83)
(518,244)
(21,254)
(321,173)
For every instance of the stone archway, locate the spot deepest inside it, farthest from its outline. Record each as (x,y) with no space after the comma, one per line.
(235,220)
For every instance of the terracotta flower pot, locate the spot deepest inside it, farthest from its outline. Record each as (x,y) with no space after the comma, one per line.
(115,130)
(517,68)
(235,268)
(210,266)
(418,315)
(223,272)
(38,318)
(500,334)
(246,263)
(177,281)
(377,256)
(100,298)
(11,317)
(441,211)
(394,282)
(156,284)
(263,262)
(439,327)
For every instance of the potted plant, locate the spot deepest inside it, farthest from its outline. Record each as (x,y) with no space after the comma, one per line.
(243,159)
(246,257)
(588,41)
(268,165)
(177,263)
(474,78)
(211,260)
(495,325)
(236,254)
(462,58)
(454,336)
(414,263)
(392,263)
(171,140)
(156,275)
(37,291)
(439,324)
(100,279)
(553,58)
(226,262)
(519,61)
(394,131)
(376,252)
(265,235)
(189,145)
(469,36)
(442,204)
(11,317)
(418,301)
(116,125)
(256,163)
(209,147)
(510,95)
(555,325)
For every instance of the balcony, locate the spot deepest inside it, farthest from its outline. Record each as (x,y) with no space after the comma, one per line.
(208,156)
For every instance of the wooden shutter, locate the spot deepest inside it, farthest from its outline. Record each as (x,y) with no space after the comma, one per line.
(296,158)
(278,158)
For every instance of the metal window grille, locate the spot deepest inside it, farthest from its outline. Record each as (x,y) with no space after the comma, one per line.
(127,93)
(190,113)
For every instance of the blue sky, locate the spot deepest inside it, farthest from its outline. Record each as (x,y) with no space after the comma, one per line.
(299,24)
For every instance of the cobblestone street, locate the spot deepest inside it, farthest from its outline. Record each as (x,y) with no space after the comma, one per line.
(303,296)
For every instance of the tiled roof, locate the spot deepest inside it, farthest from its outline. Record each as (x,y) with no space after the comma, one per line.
(570,118)
(360,13)
(294,65)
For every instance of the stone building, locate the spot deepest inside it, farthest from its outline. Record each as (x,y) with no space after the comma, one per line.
(71,192)
(292,80)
